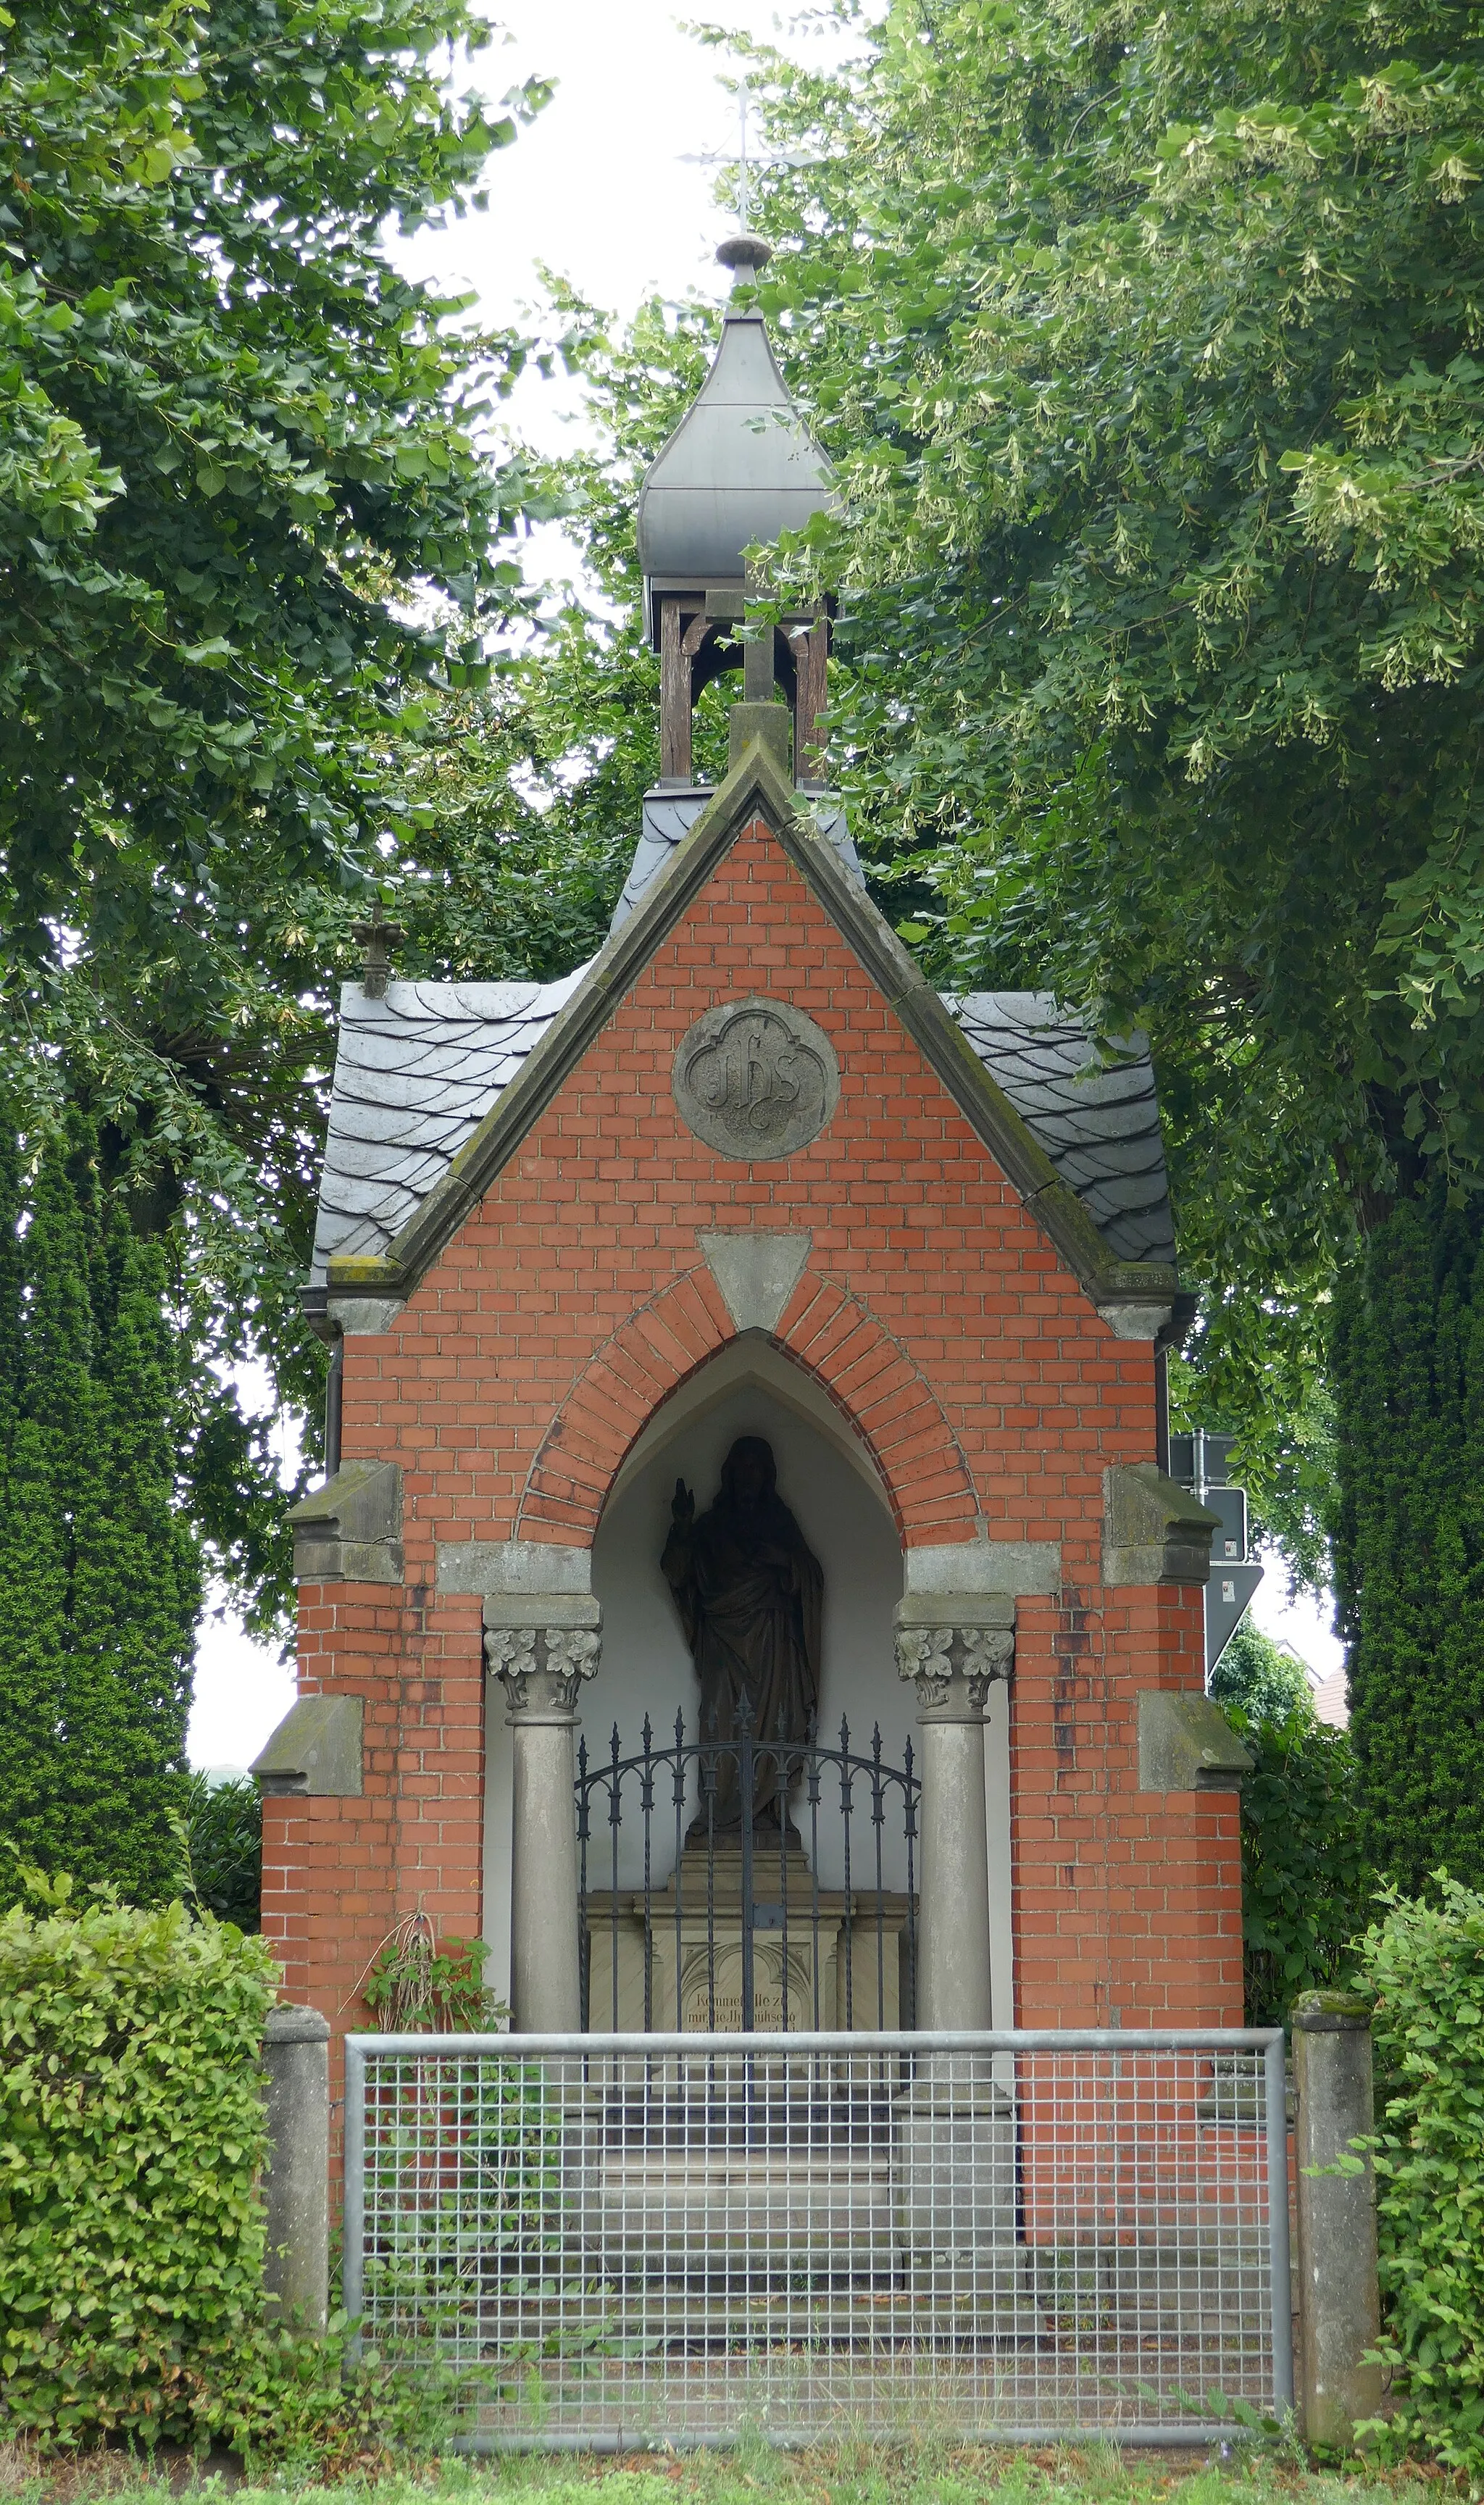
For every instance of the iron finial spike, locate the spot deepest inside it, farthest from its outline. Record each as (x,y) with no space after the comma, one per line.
(377,938)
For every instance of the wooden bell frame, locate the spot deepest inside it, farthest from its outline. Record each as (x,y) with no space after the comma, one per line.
(698,638)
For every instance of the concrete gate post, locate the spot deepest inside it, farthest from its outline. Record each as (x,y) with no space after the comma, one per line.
(296,2180)
(949,1648)
(543,1647)
(1339,2307)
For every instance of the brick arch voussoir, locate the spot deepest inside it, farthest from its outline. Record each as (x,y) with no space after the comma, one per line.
(886,1400)
(879,1390)
(610,1400)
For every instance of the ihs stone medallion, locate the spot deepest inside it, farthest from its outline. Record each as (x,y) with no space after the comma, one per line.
(756,1078)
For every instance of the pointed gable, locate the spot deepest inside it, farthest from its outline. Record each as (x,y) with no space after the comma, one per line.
(1125,1291)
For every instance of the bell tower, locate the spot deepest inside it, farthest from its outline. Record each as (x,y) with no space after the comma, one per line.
(740,468)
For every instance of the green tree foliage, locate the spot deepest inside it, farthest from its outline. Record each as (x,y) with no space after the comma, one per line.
(1146,340)
(237,438)
(1307,1881)
(1256,1675)
(99,1575)
(1409,1550)
(224,1839)
(250,538)
(1423,1962)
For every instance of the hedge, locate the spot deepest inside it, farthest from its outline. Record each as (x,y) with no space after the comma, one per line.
(1424,1962)
(131,2134)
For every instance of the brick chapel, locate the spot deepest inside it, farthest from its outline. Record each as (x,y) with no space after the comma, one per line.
(744,1186)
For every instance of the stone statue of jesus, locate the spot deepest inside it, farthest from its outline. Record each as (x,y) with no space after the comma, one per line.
(751,1600)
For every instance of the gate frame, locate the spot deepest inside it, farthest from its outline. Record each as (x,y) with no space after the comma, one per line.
(1270,2041)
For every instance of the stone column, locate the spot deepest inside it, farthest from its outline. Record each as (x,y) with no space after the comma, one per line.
(1339,2309)
(296,2180)
(541,1647)
(950,1646)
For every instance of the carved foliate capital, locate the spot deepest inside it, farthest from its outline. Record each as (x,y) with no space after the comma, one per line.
(543,1668)
(925,1656)
(952,1661)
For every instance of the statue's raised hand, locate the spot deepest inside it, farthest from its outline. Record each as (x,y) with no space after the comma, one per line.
(682,1506)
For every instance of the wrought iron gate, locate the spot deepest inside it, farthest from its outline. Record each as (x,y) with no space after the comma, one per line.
(778,1909)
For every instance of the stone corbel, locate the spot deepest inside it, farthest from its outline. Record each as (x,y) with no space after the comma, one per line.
(1186,1744)
(950,1648)
(316,1750)
(351,1530)
(543,1647)
(1153,1531)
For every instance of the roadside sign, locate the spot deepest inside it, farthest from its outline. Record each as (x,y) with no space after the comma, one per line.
(1230,1588)
(1228,1545)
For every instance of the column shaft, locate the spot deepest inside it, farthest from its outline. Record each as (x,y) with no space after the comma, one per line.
(545,1982)
(953,1925)
(950,1647)
(542,1649)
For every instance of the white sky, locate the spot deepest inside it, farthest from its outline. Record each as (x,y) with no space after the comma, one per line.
(602,188)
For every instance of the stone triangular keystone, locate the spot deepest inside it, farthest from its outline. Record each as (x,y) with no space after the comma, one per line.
(757,1272)
(755,789)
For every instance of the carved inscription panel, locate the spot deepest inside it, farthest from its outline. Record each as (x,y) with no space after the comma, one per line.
(756,1079)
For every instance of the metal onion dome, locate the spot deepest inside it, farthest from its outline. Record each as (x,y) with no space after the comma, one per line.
(740,467)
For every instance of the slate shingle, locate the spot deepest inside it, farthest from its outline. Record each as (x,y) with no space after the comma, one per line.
(1100,1127)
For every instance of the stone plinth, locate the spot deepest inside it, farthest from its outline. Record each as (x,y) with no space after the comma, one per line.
(850,1960)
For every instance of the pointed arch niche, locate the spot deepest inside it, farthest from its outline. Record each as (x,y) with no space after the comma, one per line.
(829,1479)
(829,1483)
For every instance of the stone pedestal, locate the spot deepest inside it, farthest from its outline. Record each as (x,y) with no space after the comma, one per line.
(1339,2309)
(949,1648)
(543,1647)
(955,2180)
(296,2182)
(860,1977)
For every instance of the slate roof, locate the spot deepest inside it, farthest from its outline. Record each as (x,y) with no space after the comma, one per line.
(669,816)
(1099,1127)
(414,1072)
(417,1069)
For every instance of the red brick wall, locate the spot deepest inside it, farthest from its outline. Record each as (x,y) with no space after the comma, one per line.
(938,1317)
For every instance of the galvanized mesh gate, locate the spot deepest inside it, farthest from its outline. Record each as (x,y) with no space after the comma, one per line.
(613,2240)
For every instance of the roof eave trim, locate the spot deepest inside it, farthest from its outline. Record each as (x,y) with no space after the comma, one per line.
(754,789)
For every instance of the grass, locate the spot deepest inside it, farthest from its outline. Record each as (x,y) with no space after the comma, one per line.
(928,2473)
